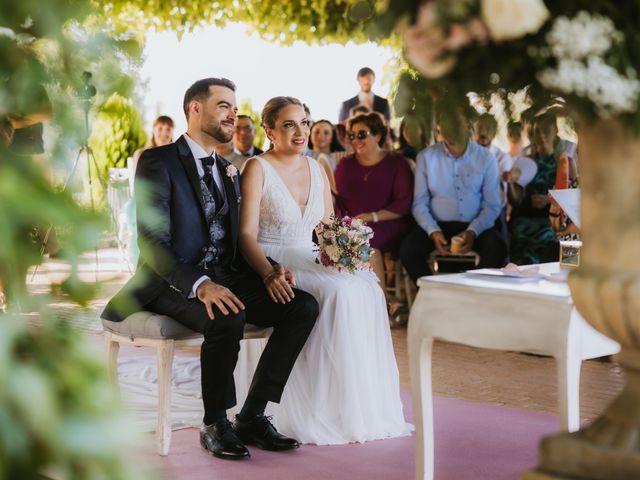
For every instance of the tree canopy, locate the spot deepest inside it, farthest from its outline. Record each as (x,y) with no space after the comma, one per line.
(311,21)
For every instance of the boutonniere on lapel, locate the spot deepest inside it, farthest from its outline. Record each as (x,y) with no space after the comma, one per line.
(231,171)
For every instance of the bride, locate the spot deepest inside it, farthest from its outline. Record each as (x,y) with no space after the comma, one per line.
(345,385)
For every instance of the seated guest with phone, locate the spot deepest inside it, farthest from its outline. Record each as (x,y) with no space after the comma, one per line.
(456,200)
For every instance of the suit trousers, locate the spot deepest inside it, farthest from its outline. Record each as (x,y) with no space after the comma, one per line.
(292,323)
(417,246)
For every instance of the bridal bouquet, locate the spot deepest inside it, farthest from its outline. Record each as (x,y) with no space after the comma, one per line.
(344,244)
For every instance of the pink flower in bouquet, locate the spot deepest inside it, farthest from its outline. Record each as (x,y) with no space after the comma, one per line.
(325,260)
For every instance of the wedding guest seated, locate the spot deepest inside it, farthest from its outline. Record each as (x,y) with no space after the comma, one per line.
(391,142)
(457,193)
(486,129)
(412,138)
(324,147)
(375,185)
(515,137)
(531,233)
(343,139)
(244,133)
(560,145)
(161,134)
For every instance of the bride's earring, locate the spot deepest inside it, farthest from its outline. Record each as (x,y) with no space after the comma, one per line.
(269,137)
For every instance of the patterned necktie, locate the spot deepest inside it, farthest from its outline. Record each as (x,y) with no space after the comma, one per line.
(207,165)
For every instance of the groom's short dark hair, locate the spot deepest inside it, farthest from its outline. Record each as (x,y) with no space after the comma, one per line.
(200,91)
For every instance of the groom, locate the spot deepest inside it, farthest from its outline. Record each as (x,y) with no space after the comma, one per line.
(190,269)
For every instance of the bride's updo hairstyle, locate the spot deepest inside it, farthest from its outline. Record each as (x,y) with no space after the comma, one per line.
(272,109)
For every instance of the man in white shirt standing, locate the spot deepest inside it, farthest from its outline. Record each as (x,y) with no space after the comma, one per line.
(365,97)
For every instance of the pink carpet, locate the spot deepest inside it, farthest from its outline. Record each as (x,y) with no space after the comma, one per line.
(473,441)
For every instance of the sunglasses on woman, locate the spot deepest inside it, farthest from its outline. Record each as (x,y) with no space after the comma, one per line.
(360,135)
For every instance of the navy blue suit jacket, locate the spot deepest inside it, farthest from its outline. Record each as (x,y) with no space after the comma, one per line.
(173,233)
(380,105)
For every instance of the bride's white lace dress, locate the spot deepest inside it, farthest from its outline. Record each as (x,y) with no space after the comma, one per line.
(345,384)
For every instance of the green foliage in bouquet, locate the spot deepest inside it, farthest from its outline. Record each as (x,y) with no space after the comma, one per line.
(117,133)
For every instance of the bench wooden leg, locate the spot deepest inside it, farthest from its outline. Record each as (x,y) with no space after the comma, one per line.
(165,366)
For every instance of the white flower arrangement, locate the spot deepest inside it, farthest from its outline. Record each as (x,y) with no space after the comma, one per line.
(586,57)
(583,36)
(511,19)
(579,46)
(611,92)
(231,171)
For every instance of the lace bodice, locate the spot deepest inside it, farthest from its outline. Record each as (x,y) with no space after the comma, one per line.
(282,222)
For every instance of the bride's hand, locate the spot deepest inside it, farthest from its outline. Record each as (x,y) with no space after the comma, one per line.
(278,286)
(290,277)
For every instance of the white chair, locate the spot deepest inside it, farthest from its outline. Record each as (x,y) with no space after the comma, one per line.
(401,287)
(395,288)
(147,329)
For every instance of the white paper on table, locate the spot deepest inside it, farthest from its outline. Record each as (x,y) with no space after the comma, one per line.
(569,201)
(511,272)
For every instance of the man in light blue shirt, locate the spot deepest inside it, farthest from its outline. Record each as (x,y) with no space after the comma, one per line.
(457,193)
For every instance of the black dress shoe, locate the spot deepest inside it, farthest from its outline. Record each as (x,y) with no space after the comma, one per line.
(222,441)
(258,431)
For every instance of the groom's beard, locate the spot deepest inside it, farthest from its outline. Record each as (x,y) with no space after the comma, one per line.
(217,132)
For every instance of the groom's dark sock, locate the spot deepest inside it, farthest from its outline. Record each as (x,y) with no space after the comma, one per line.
(252,406)
(211,417)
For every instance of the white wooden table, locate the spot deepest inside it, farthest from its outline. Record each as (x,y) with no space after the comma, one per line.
(536,317)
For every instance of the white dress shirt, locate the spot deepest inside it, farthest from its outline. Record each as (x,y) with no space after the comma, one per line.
(366,98)
(248,153)
(198,152)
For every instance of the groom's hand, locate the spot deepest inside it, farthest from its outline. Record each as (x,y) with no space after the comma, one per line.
(211,293)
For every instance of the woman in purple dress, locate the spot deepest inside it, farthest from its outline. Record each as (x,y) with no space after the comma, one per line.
(376,186)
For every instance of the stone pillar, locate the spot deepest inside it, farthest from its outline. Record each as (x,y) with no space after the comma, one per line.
(606,291)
